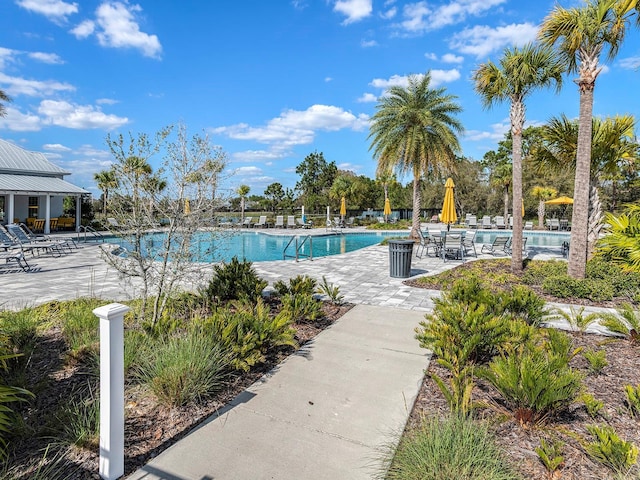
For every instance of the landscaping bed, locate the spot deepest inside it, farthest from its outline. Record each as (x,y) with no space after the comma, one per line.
(602,368)
(56,434)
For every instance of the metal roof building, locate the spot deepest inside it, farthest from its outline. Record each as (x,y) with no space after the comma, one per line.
(32,187)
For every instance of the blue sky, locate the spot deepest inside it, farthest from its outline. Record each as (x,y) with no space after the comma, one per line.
(268,81)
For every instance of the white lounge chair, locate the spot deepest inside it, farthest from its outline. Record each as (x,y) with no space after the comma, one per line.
(500,222)
(291,221)
(500,245)
(279,222)
(486,221)
(247,222)
(528,225)
(302,224)
(262,221)
(469,244)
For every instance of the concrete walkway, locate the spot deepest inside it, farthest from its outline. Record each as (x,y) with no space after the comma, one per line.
(326,413)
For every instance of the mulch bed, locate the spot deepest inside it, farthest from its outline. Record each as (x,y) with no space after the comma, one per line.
(150,427)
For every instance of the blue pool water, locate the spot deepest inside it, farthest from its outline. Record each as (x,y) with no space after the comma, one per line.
(259,247)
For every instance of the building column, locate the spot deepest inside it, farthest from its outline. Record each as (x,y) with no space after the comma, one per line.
(10,209)
(47,214)
(78,212)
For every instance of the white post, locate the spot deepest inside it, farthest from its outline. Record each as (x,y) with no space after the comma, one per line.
(328,214)
(111,389)
(11,210)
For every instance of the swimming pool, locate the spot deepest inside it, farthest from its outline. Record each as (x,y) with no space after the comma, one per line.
(216,247)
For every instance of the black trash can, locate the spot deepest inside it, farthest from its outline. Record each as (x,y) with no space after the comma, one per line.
(400,252)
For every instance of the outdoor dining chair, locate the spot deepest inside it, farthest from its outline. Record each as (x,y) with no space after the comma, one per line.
(452,246)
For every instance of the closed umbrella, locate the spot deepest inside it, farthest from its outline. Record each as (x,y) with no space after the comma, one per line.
(343,207)
(187,206)
(387,208)
(448,214)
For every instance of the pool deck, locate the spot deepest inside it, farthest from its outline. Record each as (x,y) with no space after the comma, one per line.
(362,275)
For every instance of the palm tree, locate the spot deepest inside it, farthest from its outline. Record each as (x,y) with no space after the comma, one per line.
(521,70)
(581,35)
(612,146)
(415,130)
(542,194)
(243,191)
(503,178)
(3,98)
(106,180)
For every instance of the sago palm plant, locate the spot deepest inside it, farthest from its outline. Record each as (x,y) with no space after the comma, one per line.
(622,244)
(626,322)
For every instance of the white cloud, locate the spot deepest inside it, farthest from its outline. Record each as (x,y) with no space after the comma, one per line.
(296,127)
(84,29)
(6,56)
(349,167)
(389,14)
(368,43)
(420,17)
(34,88)
(451,58)
(116,26)
(55,10)
(20,122)
(630,63)
(258,155)
(368,98)
(106,101)
(431,56)
(248,170)
(65,114)
(437,77)
(497,132)
(354,10)
(481,40)
(51,58)
(55,147)
(328,79)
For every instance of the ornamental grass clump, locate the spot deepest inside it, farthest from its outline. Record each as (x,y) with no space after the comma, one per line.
(445,449)
(183,369)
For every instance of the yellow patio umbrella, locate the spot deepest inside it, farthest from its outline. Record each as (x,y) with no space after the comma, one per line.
(448,214)
(523,208)
(387,207)
(187,206)
(343,207)
(560,201)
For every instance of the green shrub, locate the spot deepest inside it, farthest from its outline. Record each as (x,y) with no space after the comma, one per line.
(469,291)
(633,398)
(523,303)
(564,286)
(610,450)
(332,291)
(626,322)
(179,370)
(577,319)
(234,281)
(537,381)
(536,271)
(300,285)
(8,394)
(302,308)
(550,455)
(453,448)
(597,360)
(592,404)
(463,333)
(458,393)
(249,332)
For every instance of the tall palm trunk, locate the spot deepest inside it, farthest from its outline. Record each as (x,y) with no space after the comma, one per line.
(517,112)
(580,221)
(541,211)
(416,206)
(105,192)
(505,200)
